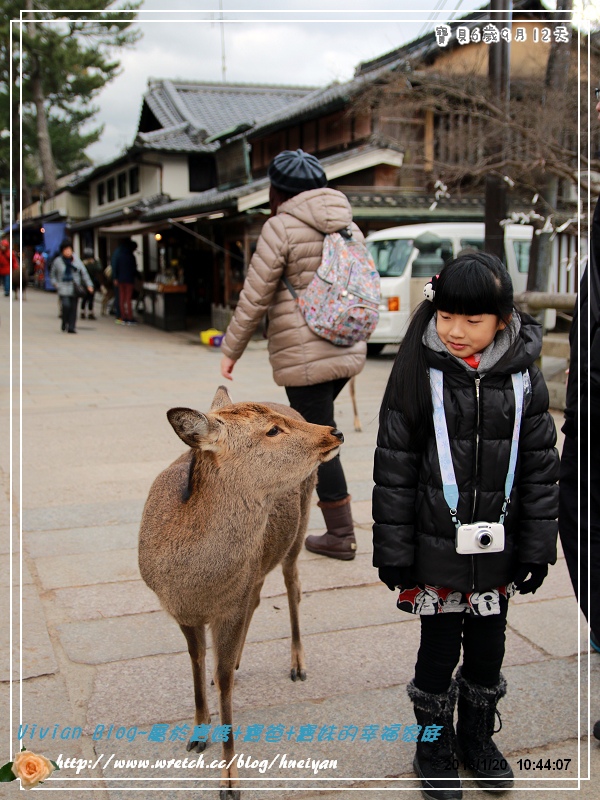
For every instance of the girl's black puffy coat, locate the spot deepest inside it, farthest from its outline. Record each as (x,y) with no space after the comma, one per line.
(412,520)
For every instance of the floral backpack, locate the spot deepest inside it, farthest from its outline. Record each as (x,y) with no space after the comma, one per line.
(341,303)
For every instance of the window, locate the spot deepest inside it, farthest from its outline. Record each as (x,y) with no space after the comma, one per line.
(475,244)
(431,259)
(391,256)
(100,190)
(110,190)
(122,184)
(134,180)
(522,255)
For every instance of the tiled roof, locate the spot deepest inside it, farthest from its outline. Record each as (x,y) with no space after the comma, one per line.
(190,112)
(214,199)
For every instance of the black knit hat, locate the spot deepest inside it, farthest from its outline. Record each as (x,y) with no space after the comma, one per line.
(294,171)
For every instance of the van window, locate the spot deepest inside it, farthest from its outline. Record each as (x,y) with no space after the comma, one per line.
(426,264)
(521,248)
(390,256)
(476,244)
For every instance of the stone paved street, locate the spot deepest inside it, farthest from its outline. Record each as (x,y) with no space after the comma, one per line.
(98,650)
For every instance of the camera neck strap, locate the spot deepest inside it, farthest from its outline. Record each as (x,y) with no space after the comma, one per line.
(450,487)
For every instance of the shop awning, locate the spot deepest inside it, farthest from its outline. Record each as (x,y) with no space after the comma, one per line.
(132,228)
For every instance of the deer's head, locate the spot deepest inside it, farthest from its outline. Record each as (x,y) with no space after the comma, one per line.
(267,449)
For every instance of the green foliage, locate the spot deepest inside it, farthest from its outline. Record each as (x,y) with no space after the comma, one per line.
(6,773)
(71,54)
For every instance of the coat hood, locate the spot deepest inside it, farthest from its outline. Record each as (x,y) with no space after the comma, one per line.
(325,210)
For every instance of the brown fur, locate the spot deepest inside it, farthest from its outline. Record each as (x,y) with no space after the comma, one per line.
(220,518)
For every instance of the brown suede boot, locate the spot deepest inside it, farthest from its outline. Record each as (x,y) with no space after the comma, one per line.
(339,540)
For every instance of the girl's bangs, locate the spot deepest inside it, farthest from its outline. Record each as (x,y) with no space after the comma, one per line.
(468,291)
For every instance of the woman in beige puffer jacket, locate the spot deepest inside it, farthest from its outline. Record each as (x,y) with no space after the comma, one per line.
(312,369)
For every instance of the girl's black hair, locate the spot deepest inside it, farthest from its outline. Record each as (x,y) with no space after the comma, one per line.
(472,284)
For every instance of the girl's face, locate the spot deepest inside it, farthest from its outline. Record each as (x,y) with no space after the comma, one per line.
(466,334)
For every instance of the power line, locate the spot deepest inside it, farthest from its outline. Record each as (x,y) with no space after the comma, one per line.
(438,9)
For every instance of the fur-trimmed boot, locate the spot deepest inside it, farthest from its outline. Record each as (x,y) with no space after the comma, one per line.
(338,541)
(435,762)
(475,746)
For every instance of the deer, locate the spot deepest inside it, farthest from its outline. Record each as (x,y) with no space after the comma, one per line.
(217,521)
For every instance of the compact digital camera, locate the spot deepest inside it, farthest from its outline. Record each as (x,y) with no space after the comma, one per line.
(480,537)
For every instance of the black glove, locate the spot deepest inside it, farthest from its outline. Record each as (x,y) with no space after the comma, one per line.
(394,577)
(538,573)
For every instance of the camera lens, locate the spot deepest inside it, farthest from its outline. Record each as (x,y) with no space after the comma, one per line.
(485,539)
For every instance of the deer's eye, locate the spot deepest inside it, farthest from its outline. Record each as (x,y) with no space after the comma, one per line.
(274,431)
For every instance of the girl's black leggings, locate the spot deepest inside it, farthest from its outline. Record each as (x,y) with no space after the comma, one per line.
(315,403)
(482,640)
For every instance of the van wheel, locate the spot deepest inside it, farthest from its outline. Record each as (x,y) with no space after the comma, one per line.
(374,349)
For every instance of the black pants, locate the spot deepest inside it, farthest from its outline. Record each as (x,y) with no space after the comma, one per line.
(483,642)
(69,312)
(573,526)
(88,301)
(315,403)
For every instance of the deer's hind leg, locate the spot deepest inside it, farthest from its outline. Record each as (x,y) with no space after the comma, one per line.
(227,638)
(196,641)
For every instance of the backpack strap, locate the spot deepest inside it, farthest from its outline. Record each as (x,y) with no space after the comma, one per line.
(290,287)
(345,232)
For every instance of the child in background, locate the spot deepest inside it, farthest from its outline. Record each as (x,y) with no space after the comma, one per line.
(471,355)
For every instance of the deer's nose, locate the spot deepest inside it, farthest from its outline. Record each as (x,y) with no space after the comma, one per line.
(338,434)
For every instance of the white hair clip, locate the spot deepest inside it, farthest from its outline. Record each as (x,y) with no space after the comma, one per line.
(429,289)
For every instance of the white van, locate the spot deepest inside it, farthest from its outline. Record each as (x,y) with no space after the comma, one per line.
(408,255)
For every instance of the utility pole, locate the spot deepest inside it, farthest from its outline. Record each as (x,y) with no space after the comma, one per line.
(557,74)
(223,62)
(496,205)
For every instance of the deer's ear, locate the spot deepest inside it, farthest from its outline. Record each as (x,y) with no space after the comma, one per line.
(221,399)
(194,428)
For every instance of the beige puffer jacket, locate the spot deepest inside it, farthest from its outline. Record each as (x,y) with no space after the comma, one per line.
(292,242)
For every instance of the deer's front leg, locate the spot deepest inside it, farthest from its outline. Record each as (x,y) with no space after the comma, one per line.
(227,640)
(196,641)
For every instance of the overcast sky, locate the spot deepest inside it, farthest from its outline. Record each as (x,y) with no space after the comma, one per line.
(313,47)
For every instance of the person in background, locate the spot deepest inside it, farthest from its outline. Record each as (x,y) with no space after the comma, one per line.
(312,370)
(39,266)
(94,268)
(116,307)
(67,270)
(8,263)
(124,268)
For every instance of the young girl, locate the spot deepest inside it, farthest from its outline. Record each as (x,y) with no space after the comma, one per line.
(471,355)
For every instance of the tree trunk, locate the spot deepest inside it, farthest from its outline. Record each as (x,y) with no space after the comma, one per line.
(43,135)
(557,73)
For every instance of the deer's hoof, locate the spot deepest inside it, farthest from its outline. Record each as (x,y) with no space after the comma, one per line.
(229,794)
(298,674)
(198,747)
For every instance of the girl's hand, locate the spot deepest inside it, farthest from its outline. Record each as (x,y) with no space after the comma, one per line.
(538,574)
(227,365)
(395,577)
